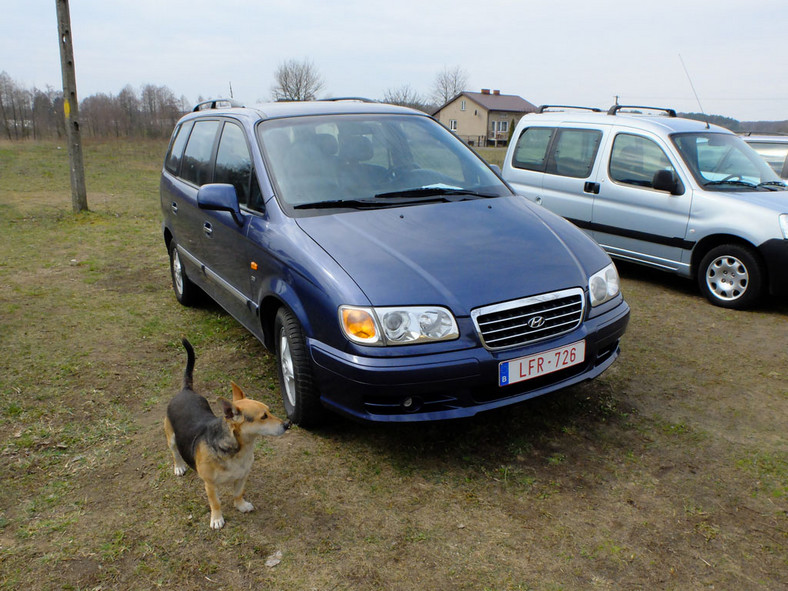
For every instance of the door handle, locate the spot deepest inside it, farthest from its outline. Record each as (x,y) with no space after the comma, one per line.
(174,207)
(207,228)
(591,187)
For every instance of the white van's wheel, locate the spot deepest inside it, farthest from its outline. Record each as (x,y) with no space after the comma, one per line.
(731,276)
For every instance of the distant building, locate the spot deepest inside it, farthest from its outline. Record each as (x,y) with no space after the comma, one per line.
(483,118)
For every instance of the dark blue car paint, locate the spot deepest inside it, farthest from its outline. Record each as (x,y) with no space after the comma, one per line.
(460,255)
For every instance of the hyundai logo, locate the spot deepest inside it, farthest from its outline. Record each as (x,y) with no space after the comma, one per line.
(536,322)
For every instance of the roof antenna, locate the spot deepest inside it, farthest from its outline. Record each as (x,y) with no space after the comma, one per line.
(693,91)
(231,89)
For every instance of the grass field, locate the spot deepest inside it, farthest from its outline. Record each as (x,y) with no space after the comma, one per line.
(668,472)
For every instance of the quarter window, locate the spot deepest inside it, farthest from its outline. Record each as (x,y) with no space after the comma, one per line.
(173,160)
(531,149)
(636,159)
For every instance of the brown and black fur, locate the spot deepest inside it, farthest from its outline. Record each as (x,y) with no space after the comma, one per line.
(220,449)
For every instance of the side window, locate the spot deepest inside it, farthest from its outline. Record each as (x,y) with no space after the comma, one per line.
(635,160)
(197,165)
(173,160)
(234,163)
(530,152)
(574,152)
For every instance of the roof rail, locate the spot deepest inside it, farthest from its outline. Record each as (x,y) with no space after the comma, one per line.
(616,108)
(360,99)
(217,104)
(543,108)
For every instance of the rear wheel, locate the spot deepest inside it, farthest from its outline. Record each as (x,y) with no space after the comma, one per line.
(186,292)
(731,276)
(300,397)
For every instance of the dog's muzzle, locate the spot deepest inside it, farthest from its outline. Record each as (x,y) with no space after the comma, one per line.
(287,424)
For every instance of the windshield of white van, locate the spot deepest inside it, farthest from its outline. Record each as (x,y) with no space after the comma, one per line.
(723,162)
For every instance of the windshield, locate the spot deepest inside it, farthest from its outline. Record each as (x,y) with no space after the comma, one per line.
(371,161)
(723,162)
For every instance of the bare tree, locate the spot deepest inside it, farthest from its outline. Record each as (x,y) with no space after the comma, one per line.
(449,82)
(406,97)
(296,81)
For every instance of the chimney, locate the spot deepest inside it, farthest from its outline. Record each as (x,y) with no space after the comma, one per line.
(497,92)
(485,91)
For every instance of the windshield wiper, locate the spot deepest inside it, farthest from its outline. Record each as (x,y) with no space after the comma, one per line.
(334,203)
(730,182)
(776,184)
(431,191)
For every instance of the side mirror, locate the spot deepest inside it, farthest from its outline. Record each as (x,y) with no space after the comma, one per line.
(220,197)
(665,180)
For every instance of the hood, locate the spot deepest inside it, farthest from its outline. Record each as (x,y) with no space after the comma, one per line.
(461,255)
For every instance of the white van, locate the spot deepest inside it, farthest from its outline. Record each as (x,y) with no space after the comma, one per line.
(675,194)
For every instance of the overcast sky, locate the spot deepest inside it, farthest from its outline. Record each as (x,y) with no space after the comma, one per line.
(554,51)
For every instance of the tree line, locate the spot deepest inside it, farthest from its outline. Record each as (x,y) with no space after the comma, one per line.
(38,113)
(152,111)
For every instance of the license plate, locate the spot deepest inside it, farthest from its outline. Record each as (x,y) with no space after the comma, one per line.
(540,364)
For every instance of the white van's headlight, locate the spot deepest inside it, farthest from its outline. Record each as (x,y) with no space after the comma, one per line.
(784,224)
(397,325)
(603,285)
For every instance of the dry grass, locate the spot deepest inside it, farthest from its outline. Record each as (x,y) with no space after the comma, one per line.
(669,472)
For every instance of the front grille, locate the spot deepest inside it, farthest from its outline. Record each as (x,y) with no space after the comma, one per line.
(525,321)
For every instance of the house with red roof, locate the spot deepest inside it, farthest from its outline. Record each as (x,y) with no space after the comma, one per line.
(483,118)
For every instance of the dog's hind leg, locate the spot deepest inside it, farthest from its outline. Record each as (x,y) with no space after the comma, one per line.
(240,503)
(180,466)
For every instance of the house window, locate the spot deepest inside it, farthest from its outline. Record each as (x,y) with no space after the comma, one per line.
(503,126)
(453,124)
(462,105)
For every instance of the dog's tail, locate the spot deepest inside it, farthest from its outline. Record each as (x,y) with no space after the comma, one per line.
(188,381)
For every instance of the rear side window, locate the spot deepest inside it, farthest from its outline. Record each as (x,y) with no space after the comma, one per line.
(636,159)
(573,152)
(531,150)
(234,165)
(173,160)
(197,165)
(565,152)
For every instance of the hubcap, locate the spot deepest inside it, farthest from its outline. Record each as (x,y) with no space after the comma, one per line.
(288,375)
(177,271)
(727,278)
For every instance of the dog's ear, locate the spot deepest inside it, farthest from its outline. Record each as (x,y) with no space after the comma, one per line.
(231,412)
(238,394)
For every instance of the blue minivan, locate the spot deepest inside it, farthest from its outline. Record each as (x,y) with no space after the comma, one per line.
(392,272)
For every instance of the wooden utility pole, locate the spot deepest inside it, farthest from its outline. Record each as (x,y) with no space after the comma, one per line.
(79,199)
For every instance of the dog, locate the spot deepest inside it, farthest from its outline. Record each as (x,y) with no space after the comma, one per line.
(220,449)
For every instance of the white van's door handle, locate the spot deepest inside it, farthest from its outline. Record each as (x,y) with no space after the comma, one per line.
(591,187)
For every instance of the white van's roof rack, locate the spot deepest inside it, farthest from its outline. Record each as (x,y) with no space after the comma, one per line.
(616,108)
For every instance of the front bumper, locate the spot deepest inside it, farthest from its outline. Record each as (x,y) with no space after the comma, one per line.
(775,253)
(456,384)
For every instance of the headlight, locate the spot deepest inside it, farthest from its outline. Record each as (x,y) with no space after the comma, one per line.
(784,224)
(397,326)
(603,285)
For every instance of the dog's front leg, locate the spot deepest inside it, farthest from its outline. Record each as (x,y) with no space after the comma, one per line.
(240,503)
(217,519)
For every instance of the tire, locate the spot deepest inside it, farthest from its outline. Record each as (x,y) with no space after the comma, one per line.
(186,292)
(300,397)
(731,276)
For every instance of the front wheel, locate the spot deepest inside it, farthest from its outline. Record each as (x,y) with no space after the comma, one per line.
(731,276)
(300,397)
